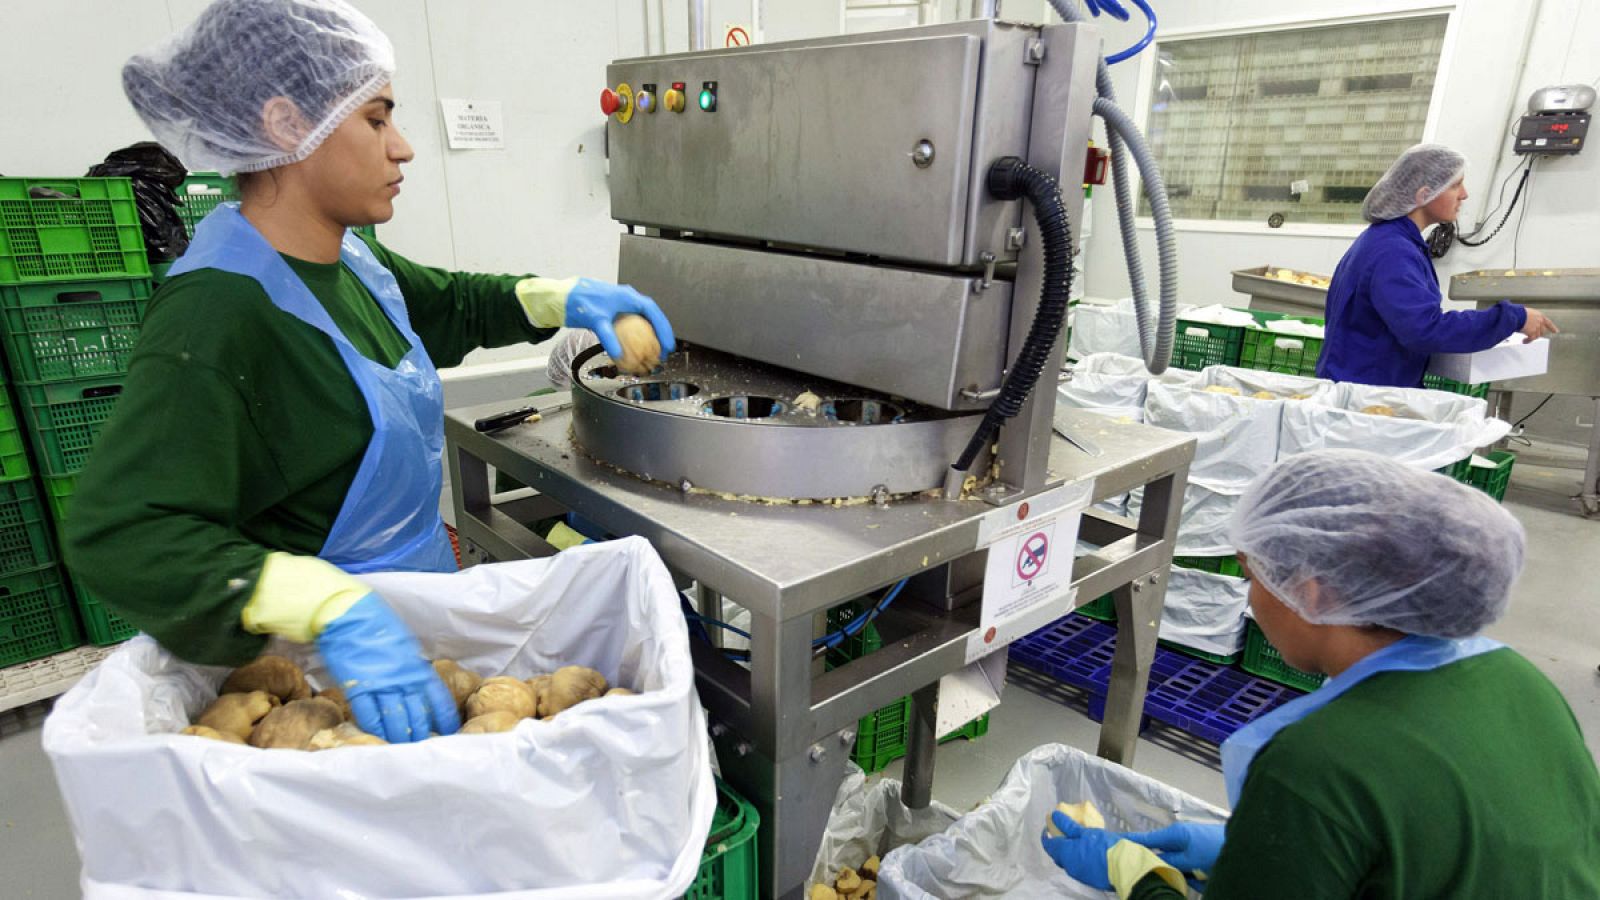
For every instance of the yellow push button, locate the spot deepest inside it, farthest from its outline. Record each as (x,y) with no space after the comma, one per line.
(673,99)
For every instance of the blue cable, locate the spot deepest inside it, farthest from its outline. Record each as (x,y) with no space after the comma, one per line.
(696,617)
(828,640)
(1115,10)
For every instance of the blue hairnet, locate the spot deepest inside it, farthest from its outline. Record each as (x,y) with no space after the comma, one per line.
(201,92)
(1431,168)
(1384,544)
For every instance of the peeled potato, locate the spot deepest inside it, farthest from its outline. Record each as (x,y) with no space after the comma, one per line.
(848,881)
(641,351)
(1222,389)
(1263,395)
(491,723)
(344,734)
(276,675)
(1378,409)
(502,693)
(291,726)
(213,734)
(461,682)
(1083,813)
(237,714)
(823,892)
(869,869)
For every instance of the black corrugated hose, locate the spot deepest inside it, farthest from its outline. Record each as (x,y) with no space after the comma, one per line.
(1010,178)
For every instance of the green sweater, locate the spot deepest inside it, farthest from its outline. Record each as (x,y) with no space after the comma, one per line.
(1469,781)
(238,432)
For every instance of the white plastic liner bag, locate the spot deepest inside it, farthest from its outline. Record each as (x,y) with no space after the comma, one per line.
(1237,436)
(611,799)
(1430,429)
(994,851)
(1202,523)
(1281,385)
(1205,611)
(1107,328)
(869,820)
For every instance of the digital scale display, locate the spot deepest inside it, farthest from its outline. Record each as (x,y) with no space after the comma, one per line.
(1560,133)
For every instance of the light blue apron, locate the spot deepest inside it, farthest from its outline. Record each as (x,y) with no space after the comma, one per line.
(1413,653)
(390,517)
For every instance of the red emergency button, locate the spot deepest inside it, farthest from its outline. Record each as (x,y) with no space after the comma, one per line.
(610,102)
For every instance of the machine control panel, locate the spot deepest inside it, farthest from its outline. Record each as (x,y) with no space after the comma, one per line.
(1552,133)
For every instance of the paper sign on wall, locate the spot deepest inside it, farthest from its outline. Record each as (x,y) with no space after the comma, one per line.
(1028,581)
(473,124)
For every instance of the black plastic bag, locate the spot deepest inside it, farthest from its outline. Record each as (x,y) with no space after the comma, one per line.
(156,176)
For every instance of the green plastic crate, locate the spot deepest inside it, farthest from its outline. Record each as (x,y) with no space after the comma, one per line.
(24,530)
(200,193)
(1493,481)
(1435,383)
(65,419)
(881,736)
(1271,351)
(728,869)
(1102,608)
(91,233)
(1196,345)
(13,448)
(67,331)
(1216,565)
(1263,660)
(1460,470)
(57,490)
(36,618)
(1197,653)
(101,626)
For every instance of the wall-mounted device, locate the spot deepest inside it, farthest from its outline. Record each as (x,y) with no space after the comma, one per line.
(1557,120)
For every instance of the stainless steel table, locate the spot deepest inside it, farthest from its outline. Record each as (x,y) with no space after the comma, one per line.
(784,728)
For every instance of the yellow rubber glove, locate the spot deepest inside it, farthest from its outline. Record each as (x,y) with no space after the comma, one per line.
(544,300)
(562,537)
(297,596)
(1127,863)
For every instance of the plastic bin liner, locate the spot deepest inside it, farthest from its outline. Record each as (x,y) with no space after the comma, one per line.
(1205,611)
(1281,385)
(869,820)
(1430,429)
(611,799)
(1237,436)
(994,851)
(1101,328)
(1202,523)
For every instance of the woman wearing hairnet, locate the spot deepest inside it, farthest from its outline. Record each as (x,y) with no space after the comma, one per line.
(1383,312)
(282,420)
(1433,763)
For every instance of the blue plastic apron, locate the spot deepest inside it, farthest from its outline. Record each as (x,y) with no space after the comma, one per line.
(1414,653)
(390,517)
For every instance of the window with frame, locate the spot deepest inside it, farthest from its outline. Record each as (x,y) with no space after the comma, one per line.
(1293,125)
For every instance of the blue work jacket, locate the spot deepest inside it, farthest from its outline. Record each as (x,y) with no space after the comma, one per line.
(1384,317)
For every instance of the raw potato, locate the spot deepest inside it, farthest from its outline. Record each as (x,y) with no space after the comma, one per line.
(641,351)
(1378,409)
(540,685)
(1222,389)
(1083,813)
(292,726)
(569,686)
(619,692)
(461,682)
(823,892)
(344,734)
(213,734)
(491,723)
(237,714)
(336,696)
(502,693)
(273,674)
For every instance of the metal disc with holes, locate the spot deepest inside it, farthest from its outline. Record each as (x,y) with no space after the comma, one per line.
(708,420)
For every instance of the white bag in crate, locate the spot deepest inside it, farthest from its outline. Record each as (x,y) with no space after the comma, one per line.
(1107,328)
(1205,611)
(994,851)
(1281,385)
(1096,384)
(1202,523)
(1431,429)
(611,799)
(1237,436)
(869,820)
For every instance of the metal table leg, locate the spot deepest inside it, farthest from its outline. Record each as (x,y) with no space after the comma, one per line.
(921,741)
(1589,497)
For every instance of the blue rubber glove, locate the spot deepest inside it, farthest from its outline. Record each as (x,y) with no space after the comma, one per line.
(1081,851)
(1186,846)
(393,691)
(595,305)
(1110,7)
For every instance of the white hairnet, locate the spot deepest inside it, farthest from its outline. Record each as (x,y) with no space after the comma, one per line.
(1431,167)
(201,92)
(1384,544)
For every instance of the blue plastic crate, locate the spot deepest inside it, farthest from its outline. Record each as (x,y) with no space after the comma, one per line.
(1198,697)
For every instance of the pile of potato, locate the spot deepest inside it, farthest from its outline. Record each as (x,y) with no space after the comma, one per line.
(851,884)
(268,703)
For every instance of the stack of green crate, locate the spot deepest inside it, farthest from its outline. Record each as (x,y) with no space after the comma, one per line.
(74,284)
